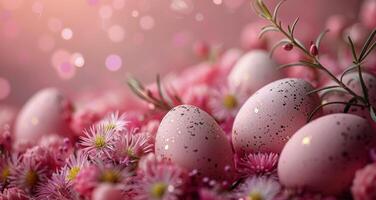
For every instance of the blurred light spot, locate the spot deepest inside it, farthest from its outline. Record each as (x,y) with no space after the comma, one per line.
(116,33)
(181,39)
(11,4)
(78,60)
(199,17)
(182,6)
(11,29)
(4,88)
(37,7)
(67,34)
(66,70)
(306,140)
(118,4)
(60,56)
(113,62)
(217,2)
(46,43)
(147,22)
(135,13)
(105,12)
(55,25)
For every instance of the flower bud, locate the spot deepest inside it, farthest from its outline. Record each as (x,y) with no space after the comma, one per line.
(313,49)
(288,47)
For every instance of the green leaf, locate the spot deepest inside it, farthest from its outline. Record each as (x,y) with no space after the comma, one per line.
(323,88)
(320,37)
(276,45)
(349,69)
(353,51)
(263,9)
(300,63)
(268,29)
(372,113)
(349,104)
(276,9)
(293,27)
(366,44)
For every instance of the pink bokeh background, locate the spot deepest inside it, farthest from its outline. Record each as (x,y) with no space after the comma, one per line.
(80,45)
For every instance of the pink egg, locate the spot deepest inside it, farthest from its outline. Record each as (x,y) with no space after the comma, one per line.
(253,70)
(272,115)
(190,137)
(353,82)
(108,191)
(324,155)
(47,112)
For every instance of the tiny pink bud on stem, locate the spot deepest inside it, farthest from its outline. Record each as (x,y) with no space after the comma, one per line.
(313,49)
(288,47)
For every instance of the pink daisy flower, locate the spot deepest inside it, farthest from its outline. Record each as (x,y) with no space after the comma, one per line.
(225,103)
(99,141)
(257,164)
(129,147)
(114,122)
(27,175)
(364,184)
(258,188)
(91,176)
(57,187)
(160,180)
(5,166)
(74,164)
(14,193)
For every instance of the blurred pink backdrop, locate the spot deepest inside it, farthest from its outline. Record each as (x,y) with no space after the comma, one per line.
(78,45)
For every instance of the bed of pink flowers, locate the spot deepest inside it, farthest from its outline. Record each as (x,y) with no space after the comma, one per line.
(114,145)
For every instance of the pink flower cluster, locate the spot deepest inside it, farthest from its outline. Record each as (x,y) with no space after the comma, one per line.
(111,155)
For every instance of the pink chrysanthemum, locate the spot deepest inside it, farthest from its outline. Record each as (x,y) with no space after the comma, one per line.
(129,147)
(114,122)
(89,177)
(5,166)
(47,157)
(74,164)
(27,175)
(14,193)
(57,187)
(258,188)
(225,103)
(364,184)
(257,164)
(160,180)
(99,141)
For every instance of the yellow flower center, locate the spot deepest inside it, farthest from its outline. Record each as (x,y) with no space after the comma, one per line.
(4,174)
(110,176)
(255,196)
(73,173)
(31,178)
(99,141)
(109,127)
(229,101)
(158,190)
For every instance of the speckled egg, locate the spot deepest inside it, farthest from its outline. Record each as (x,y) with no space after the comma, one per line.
(323,155)
(272,115)
(47,112)
(190,137)
(353,82)
(252,71)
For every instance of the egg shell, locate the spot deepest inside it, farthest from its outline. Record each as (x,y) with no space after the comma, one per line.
(353,82)
(272,115)
(253,70)
(190,138)
(47,112)
(324,155)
